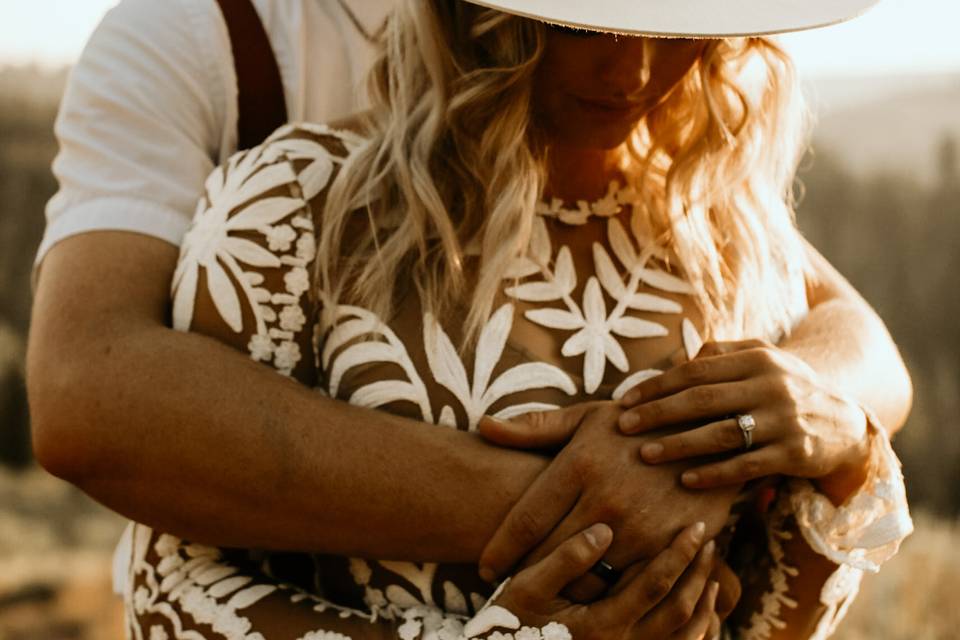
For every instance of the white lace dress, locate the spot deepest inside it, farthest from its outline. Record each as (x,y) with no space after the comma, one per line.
(576,320)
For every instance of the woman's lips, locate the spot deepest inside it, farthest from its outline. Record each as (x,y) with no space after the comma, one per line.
(610,108)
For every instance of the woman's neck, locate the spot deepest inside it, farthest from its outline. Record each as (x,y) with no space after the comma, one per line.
(577,173)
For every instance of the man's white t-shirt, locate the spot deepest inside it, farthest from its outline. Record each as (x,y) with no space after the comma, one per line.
(151,107)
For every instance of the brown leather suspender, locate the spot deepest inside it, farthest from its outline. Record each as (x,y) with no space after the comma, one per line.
(261,102)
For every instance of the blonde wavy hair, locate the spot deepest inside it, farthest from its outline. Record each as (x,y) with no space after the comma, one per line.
(452,164)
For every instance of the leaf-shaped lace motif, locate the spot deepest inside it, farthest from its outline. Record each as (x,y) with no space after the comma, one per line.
(317,173)
(476,398)
(594,325)
(223,241)
(633,380)
(374,342)
(608,274)
(692,342)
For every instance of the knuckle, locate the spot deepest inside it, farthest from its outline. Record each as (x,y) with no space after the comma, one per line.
(539,421)
(751,468)
(607,411)
(657,587)
(711,348)
(676,619)
(729,437)
(652,411)
(780,387)
(682,610)
(763,357)
(524,529)
(652,387)
(523,593)
(612,509)
(801,450)
(697,371)
(702,397)
(584,463)
(678,445)
(577,553)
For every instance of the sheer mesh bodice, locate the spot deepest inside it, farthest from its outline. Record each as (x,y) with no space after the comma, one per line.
(591,309)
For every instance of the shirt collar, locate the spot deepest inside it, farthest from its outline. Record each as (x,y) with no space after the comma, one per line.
(371,14)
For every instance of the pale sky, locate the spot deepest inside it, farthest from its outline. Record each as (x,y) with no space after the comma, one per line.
(899,36)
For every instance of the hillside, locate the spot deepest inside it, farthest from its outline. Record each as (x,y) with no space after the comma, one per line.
(888,125)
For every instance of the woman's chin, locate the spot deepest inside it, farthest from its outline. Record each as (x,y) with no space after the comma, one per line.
(584,133)
(605,138)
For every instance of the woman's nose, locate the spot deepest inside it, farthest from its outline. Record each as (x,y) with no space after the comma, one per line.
(625,66)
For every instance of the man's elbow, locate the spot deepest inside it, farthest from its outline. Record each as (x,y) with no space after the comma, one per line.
(60,416)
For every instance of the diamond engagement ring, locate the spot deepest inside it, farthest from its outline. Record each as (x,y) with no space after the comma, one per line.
(747,424)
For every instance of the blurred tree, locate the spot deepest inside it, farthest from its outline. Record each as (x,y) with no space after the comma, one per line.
(948,160)
(14,432)
(27,147)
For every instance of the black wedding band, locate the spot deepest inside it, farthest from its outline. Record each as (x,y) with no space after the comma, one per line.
(606,573)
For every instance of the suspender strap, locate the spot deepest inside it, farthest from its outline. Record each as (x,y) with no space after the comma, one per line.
(261,103)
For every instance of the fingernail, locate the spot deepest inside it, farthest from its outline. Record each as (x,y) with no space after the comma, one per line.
(599,535)
(714,587)
(709,548)
(690,477)
(487,574)
(651,450)
(629,422)
(631,399)
(699,529)
(493,422)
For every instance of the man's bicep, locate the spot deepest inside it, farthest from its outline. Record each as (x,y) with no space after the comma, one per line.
(97,279)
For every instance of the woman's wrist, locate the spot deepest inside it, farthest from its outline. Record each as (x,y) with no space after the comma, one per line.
(846,479)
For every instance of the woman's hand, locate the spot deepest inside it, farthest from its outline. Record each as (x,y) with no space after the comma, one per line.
(669,598)
(803,428)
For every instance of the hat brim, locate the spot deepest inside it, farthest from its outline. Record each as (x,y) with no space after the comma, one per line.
(687,18)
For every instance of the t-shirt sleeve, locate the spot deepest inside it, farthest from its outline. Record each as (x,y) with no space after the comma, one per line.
(140,124)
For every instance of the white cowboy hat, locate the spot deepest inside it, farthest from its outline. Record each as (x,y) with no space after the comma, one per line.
(686,18)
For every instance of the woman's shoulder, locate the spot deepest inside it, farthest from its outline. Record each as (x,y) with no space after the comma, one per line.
(337,139)
(296,164)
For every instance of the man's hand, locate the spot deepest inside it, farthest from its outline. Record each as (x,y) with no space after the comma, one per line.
(598,477)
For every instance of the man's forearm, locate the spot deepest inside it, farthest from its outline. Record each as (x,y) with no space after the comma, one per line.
(190,436)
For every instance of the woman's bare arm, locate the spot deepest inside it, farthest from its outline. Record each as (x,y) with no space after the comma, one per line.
(847,344)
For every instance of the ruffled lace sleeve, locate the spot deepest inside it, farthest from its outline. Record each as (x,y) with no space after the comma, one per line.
(815,553)
(868,528)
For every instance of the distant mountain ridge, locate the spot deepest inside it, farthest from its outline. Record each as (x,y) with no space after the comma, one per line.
(892,124)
